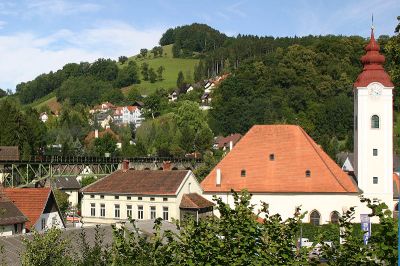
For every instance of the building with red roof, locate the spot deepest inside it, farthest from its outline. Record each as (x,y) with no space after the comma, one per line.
(38,205)
(282,166)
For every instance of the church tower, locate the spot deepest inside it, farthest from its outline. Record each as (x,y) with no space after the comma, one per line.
(373,126)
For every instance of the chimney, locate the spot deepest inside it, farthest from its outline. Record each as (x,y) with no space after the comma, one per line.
(218,180)
(125,165)
(230,145)
(166,165)
(96,133)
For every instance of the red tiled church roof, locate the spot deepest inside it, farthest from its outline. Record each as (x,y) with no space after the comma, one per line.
(373,66)
(30,201)
(92,135)
(194,201)
(294,153)
(141,182)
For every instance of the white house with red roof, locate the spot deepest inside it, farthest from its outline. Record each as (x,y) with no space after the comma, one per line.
(38,205)
(128,114)
(282,166)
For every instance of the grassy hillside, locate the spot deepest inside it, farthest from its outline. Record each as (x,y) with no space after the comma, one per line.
(172,67)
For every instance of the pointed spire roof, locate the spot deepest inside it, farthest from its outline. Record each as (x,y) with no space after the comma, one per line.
(373,66)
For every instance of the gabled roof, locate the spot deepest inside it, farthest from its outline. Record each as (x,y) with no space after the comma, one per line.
(91,136)
(194,201)
(224,141)
(31,201)
(67,182)
(9,213)
(293,151)
(9,153)
(140,182)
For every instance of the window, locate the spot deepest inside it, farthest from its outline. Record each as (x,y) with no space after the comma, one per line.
(315,217)
(272,157)
(152,199)
(92,209)
(308,173)
(116,211)
(128,197)
(116,197)
(92,196)
(375,121)
(153,212)
(101,196)
(140,212)
(243,173)
(128,210)
(375,180)
(102,210)
(139,198)
(165,213)
(375,152)
(335,217)
(43,223)
(165,199)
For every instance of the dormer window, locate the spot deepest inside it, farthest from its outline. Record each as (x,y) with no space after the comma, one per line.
(308,173)
(272,157)
(243,173)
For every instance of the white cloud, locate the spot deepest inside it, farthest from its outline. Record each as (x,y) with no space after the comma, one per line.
(2,24)
(28,55)
(60,7)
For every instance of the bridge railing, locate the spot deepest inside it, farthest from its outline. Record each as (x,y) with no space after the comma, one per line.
(89,159)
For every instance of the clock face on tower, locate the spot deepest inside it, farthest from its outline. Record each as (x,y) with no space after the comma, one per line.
(375,89)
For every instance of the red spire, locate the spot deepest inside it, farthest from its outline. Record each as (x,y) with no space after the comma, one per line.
(373,66)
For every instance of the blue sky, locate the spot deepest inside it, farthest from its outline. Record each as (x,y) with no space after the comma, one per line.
(37,36)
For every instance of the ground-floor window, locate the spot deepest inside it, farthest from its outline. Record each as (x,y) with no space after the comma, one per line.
(140,212)
(335,217)
(92,209)
(102,210)
(165,213)
(116,211)
(128,211)
(315,217)
(153,213)
(43,223)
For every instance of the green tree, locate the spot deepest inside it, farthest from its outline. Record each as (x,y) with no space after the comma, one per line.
(122,59)
(143,52)
(104,69)
(152,75)
(160,71)
(180,80)
(105,144)
(87,180)
(145,70)
(62,200)
(54,249)
(134,95)
(128,75)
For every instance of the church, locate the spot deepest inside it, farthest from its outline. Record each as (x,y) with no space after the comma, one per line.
(283,166)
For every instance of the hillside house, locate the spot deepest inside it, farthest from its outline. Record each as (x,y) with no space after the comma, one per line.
(143,195)
(102,108)
(128,114)
(226,143)
(185,88)
(44,117)
(12,220)
(38,205)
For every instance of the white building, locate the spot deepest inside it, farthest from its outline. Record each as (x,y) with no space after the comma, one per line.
(282,166)
(143,195)
(128,114)
(70,186)
(38,205)
(44,117)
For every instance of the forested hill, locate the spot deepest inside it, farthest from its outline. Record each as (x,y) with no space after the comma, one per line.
(295,80)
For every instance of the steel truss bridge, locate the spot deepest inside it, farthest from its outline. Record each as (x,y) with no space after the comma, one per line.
(37,170)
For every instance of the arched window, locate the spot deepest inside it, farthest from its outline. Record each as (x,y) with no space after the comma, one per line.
(375,121)
(396,210)
(315,217)
(335,217)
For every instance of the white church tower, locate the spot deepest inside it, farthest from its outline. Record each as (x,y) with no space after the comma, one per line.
(373,127)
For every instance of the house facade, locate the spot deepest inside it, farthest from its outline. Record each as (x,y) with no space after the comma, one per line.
(38,205)
(127,115)
(139,194)
(70,186)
